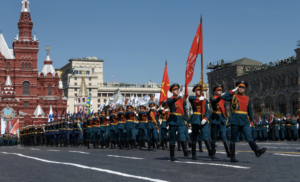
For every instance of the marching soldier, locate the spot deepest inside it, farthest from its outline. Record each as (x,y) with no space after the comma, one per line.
(177,120)
(121,126)
(152,126)
(104,120)
(254,130)
(142,127)
(164,113)
(288,127)
(241,118)
(96,130)
(282,128)
(129,126)
(218,121)
(88,131)
(294,128)
(200,121)
(113,127)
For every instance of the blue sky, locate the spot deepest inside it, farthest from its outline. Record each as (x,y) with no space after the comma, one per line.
(135,37)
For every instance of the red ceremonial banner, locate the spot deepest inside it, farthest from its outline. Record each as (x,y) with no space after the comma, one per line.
(197,48)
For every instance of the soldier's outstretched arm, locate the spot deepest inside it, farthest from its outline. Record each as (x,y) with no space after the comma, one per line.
(215,99)
(171,101)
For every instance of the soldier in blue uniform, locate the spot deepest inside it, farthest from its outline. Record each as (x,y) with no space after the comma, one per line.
(288,127)
(104,120)
(200,121)
(294,128)
(88,131)
(152,126)
(113,127)
(254,130)
(282,128)
(264,127)
(164,113)
(217,118)
(130,128)
(241,118)
(177,119)
(121,127)
(96,130)
(274,125)
(142,127)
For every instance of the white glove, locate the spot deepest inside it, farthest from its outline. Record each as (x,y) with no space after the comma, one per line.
(166,110)
(203,121)
(233,90)
(107,117)
(201,98)
(180,95)
(137,115)
(222,94)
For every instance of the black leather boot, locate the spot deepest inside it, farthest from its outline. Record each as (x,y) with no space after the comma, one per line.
(120,144)
(149,147)
(179,147)
(232,151)
(166,143)
(200,145)
(211,151)
(163,145)
(258,152)
(194,157)
(172,153)
(227,149)
(88,144)
(186,152)
(212,156)
(140,145)
(156,142)
(128,145)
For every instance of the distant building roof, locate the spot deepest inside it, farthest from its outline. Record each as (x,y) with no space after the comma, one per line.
(5,51)
(245,61)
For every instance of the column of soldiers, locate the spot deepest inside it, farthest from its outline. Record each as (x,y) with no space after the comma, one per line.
(8,139)
(153,126)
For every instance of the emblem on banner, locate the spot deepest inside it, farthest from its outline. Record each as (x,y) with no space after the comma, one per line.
(7,114)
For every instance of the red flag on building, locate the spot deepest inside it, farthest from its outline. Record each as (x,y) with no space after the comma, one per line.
(196,49)
(165,86)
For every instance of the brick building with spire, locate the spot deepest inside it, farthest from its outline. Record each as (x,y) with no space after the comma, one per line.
(23,88)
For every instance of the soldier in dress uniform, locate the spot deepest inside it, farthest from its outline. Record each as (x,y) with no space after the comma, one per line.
(288,127)
(294,128)
(96,130)
(275,125)
(177,119)
(77,131)
(200,121)
(88,131)
(282,128)
(254,130)
(152,126)
(121,127)
(164,113)
(142,127)
(129,126)
(241,118)
(104,120)
(217,118)
(113,127)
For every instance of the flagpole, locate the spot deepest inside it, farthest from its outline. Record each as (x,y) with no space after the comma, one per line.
(201,69)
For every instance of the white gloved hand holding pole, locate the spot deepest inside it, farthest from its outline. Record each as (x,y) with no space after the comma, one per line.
(203,121)
(201,98)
